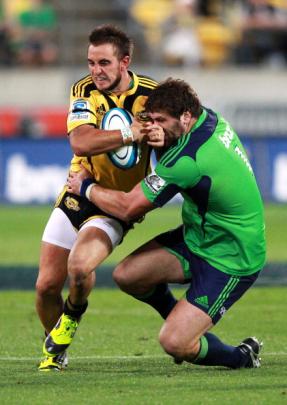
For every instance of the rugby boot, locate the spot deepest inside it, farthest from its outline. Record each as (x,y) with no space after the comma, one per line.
(251,348)
(56,363)
(61,336)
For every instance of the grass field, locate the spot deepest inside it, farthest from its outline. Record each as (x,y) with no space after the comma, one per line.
(115,358)
(21,229)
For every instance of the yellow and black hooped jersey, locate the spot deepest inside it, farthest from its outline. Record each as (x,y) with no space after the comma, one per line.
(88,106)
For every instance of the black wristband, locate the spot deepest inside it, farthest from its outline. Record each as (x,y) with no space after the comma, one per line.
(85,184)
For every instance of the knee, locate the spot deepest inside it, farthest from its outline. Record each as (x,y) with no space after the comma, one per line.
(48,287)
(121,276)
(170,344)
(176,345)
(126,277)
(132,278)
(77,270)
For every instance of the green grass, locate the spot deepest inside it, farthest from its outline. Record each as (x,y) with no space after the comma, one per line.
(276,225)
(21,230)
(115,358)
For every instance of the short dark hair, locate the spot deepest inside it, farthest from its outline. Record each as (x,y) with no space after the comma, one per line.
(110,34)
(174,96)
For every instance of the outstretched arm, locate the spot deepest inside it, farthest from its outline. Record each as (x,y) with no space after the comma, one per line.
(125,206)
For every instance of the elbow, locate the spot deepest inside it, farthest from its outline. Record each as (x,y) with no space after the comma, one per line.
(131,213)
(123,209)
(128,217)
(133,205)
(80,152)
(80,144)
(79,149)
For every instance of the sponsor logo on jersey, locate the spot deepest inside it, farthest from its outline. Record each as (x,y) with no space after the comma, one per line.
(154,183)
(72,204)
(222,311)
(80,105)
(203,301)
(80,110)
(101,110)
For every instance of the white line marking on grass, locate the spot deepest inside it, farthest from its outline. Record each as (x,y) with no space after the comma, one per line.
(116,357)
(99,357)
(274,354)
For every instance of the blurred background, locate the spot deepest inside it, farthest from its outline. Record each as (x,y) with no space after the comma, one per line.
(234,54)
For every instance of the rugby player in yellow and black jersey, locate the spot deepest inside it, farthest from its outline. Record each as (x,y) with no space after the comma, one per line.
(78,235)
(93,105)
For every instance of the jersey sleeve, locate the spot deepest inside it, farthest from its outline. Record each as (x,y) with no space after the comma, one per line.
(81,111)
(162,185)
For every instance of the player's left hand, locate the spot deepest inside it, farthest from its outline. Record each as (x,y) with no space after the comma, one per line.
(75,179)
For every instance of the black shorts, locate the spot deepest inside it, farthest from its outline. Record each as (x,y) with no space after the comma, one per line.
(79,210)
(211,290)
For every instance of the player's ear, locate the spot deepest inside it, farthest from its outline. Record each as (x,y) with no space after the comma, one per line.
(125,61)
(186,118)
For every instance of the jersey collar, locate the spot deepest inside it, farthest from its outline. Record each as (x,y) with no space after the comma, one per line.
(199,121)
(131,90)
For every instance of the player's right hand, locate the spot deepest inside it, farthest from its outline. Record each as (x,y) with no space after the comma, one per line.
(75,179)
(155,135)
(139,131)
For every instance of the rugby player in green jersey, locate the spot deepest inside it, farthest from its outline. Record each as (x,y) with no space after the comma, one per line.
(220,248)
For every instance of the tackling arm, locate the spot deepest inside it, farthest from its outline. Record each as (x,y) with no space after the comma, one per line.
(125,206)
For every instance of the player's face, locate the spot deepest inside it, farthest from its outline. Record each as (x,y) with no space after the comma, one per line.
(173,127)
(105,67)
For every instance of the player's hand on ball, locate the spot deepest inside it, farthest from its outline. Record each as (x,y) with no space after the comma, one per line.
(75,179)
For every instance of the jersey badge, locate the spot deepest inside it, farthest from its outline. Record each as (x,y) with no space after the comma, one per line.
(101,110)
(72,204)
(154,183)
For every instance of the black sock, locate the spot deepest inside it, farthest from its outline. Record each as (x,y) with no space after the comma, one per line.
(213,352)
(160,299)
(74,311)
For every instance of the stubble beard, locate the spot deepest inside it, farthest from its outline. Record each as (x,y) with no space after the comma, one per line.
(113,86)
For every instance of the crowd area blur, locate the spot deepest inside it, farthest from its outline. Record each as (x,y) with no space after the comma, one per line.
(214,33)
(28,33)
(202,33)
(173,33)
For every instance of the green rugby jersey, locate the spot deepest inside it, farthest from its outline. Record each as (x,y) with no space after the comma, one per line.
(222,209)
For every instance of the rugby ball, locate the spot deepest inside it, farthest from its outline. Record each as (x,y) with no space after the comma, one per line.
(127,156)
